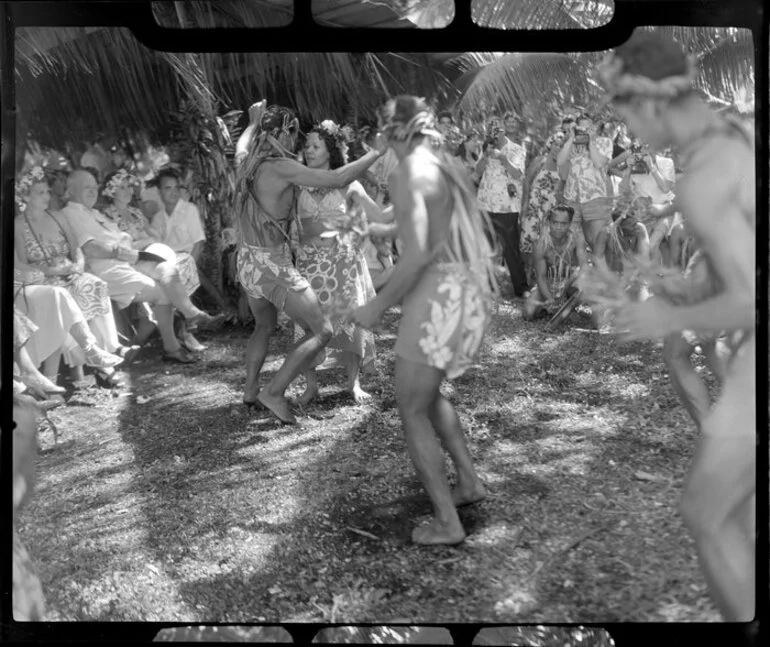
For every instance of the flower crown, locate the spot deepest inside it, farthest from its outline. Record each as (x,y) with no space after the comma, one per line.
(619,84)
(118,180)
(25,182)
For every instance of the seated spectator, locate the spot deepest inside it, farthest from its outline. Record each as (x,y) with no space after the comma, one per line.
(623,242)
(559,256)
(43,242)
(178,225)
(61,329)
(118,191)
(109,254)
(30,378)
(651,177)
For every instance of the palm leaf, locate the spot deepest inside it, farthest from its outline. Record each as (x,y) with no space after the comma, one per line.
(530,82)
(223,13)
(541,14)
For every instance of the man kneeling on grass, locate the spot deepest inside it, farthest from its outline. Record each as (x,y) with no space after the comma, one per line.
(558,259)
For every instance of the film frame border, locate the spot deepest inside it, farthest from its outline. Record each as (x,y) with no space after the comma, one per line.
(749,14)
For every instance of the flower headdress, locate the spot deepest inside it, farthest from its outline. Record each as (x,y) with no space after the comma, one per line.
(121,177)
(617,83)
(25,182)
(328,128)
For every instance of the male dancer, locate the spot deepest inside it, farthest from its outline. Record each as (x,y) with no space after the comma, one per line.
(445,278)
(267,175)
(650,81)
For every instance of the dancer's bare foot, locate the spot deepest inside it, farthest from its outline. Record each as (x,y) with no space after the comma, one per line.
(436,533)
(468,495)
(359,395)
(278,406)
(309,394)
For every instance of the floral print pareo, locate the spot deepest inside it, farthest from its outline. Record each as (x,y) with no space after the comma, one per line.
(543,196)
(586,181)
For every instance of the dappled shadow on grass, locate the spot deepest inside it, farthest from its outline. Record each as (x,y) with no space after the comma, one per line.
(247,521)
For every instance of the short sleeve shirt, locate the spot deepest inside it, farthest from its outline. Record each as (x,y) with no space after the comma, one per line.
(586,181)
(182,229)
(645,185)
(89,224)
(493,188)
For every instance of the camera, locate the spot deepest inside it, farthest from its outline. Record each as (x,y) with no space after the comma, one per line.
(511,190)
(638,165)
(581,136)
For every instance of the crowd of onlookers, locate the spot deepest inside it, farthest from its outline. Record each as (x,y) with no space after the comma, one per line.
(107,253)
(102,260)
(587,194)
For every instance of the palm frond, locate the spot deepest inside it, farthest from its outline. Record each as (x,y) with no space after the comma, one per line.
(223,13)
(541,14)
(425,14)
(530,82)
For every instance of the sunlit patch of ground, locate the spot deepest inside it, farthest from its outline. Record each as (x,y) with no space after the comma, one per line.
(176,503)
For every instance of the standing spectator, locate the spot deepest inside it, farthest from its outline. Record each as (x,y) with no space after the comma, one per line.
(588,186)
(501,169)
(543,195)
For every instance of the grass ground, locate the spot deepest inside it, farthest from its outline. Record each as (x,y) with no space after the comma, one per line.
(169,501)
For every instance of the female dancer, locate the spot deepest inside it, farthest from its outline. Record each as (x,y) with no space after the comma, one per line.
(334,264)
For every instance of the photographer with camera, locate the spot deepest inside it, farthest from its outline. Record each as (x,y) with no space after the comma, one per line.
(501,169)
(588,187)
(652,177)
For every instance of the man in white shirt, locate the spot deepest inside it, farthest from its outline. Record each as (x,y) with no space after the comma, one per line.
(501,169)
(652,177)
(109,255)
(178,221)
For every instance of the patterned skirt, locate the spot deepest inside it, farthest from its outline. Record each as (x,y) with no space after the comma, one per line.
(188,272)
(89,291)
(23,329)
(444,319)
(340,279)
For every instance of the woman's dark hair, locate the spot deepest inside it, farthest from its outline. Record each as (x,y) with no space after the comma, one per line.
(333,146)
(565,208)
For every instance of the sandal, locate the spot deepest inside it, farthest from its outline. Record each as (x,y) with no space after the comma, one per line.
(128,353)
(108,381)
(99,358)
(178,357)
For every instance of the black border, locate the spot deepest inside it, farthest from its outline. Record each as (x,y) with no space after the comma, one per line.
(461,35)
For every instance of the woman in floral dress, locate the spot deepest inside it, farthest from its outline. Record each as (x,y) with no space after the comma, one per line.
(46,254)
(544,194)
(330,258)
(118,193)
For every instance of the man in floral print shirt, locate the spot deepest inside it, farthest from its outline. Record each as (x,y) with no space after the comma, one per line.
(501,169)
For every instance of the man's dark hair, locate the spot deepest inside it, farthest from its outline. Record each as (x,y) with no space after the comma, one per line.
(565,208)
(167,172)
